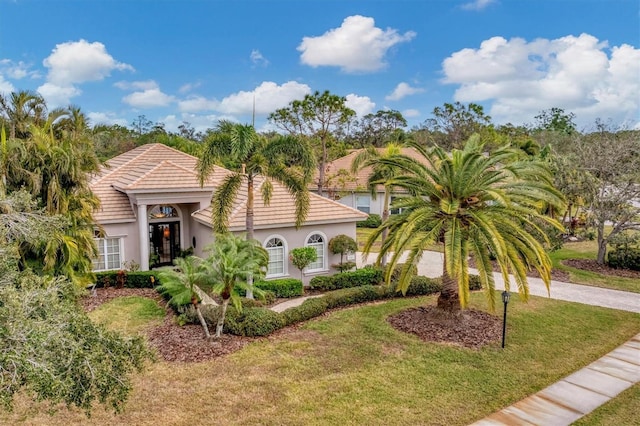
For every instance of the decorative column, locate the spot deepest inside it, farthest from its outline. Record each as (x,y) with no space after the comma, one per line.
(143,236)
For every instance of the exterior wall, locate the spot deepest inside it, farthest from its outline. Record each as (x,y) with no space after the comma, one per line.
(294,238)
(375,206)
(128,234)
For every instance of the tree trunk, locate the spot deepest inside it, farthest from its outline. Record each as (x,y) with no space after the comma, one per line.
(385,216)
(449,299)
(602,245)
(249,226)
(202,321)
(321,168)
(220,326)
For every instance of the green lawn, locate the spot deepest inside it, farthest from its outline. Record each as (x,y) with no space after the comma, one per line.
(351,367)
(128,315)
(588,250)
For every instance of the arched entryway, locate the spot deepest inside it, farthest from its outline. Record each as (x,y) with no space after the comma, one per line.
(164,235)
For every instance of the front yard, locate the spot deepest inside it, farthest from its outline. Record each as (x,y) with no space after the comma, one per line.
(351,367)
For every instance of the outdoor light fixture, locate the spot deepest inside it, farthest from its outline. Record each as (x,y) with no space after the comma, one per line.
(505,299)
(166,232)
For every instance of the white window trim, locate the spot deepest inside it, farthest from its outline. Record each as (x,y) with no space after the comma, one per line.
(285,258)
(325,256)
(120,239)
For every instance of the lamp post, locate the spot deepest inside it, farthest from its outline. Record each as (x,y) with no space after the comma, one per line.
(505,299)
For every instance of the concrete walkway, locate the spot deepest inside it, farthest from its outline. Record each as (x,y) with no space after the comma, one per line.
(291,303)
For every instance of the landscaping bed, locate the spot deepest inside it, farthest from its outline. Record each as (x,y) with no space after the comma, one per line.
(593,266)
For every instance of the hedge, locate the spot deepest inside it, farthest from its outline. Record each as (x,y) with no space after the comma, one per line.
(373,221)
(360,277)
(138,279)
(284,287)
(261,321)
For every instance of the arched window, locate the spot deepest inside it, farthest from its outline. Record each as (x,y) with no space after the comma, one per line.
(163,212)
(317,241)
(277,260)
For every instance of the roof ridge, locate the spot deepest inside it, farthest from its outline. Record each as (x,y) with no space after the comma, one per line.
(143,148)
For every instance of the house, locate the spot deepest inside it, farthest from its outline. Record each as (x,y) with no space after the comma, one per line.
(350,189)
(153,209)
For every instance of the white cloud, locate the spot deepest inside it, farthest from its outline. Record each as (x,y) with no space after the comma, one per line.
(107,118)
(356,46)
(402,90)
(150,98)
(197,103)
(410,113)
(76,62)
(258,59)
(477,4)
(362,105)
(522,78)
(269,96)
(198,122)
(56,95)
(80,61)
(188,87)
(6,86)
(136,85)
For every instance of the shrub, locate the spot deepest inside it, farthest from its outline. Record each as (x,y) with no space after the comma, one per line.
(475,283)
(345,266)
(395,275)
(343,244)
(311,308)
(254,322)
(624,259)
(351,296)
(321,282)
(302,257)
(284,287)
(422,286)
(625,253)
(137,279)
(373,221)
(364,276)
(268,298)
(360,277)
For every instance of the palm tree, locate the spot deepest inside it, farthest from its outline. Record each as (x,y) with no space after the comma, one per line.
(59,169)
(22,109)
(232,261)
(180,284)
(237,147)
(381,173)
(477,204)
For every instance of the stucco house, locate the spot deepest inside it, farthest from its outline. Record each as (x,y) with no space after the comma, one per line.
(153,207)
(350,189)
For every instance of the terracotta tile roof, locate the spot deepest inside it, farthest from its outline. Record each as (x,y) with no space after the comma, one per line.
(157,167)
(357,181)
(147,167)
(281,210)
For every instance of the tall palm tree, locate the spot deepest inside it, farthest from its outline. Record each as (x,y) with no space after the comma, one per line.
(59,169)
(478,204)
(239,148)
(231,262)
(381,174)
(22,109)
(180,284)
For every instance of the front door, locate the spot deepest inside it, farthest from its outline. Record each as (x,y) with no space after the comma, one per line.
(164,241)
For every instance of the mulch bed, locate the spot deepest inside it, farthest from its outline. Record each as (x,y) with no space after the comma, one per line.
(469,328)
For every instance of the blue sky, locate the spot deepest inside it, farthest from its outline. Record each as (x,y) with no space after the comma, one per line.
(199,61)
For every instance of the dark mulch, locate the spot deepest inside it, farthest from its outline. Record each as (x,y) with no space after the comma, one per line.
(469,328)
(187,343)
(593,266)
